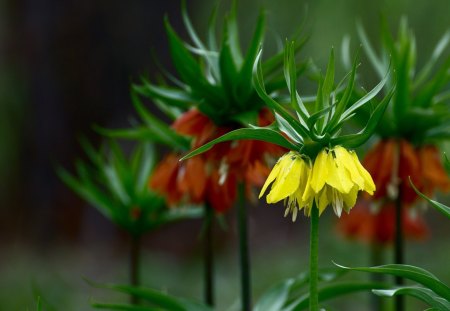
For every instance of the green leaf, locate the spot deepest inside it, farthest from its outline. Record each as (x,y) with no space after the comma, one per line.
(276,297)
(156,297)
(371,54)
(424,97)
(356,140)
(39,304)
(424,294)
(163,300)
(343,102)
(211,37)
(234,34)
(366,98)
(178,97)
(331,291)
(286,128)
(244,81)
(228,70)
(412,273)
(290,73)
(145,164)
(88,192)
(328,82)
(438,50)
(184,62)
(161,129)
(271,66)
(439,206)
(262,134)
(259,86)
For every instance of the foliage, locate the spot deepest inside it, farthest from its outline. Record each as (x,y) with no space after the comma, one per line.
(118,187)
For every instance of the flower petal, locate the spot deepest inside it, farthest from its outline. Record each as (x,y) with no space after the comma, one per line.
(288,178)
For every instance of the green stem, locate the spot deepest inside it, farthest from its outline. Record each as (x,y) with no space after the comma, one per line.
(314,260)
(376,259)
(209,255)
(135,250)
(399,248)
(244,257)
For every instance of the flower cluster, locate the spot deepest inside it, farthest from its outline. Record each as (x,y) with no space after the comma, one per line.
(213,176)
(392,161)
(335,178)
(319,170)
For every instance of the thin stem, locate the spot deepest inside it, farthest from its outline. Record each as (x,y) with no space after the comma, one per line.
(376,259)
(314,260)
(208,254)
(135,250)
(399,248)
(244,258)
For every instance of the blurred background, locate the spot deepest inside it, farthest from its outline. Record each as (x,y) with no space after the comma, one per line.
(66,65)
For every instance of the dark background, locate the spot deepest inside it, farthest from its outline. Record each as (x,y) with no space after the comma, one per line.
(66,65)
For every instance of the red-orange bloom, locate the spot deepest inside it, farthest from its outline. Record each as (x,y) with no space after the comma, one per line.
(212,177)
(379,226)
(391,162)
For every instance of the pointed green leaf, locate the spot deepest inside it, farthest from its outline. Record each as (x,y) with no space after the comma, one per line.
(286,128)
(412,273)
(439,206)
(356,140)
(343,102)
(175,96)
(161,129)
(244,82)
(275,298)
(234,35)
(184,62)
(366,98)
(163,300)
(420,293)
(228,70)
(259,86)
(262,134)
(212,42)
(331,291)
(426,70)
(88,192)
(371,54)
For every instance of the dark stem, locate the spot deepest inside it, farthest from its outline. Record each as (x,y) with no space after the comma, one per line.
(376,259)
(208,254)
(399,248)
(135,250)
(314,260)
(244,257)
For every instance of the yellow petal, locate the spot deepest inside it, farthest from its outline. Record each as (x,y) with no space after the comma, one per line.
(338,176)
(319,172)
(350,199)
(288,178)
(308,192)
(369,185)
(344,158)
(323,199)
(273,174)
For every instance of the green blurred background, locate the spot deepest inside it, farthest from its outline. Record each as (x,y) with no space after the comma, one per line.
(65,65)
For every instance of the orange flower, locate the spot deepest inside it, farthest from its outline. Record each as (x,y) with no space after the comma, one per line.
(379,226)
(164,179)
(212,177)
(431,171)
(391,162)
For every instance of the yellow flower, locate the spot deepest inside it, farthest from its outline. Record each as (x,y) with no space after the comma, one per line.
(290,178)
(335,178)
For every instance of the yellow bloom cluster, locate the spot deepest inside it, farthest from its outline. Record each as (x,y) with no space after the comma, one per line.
(335,178)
